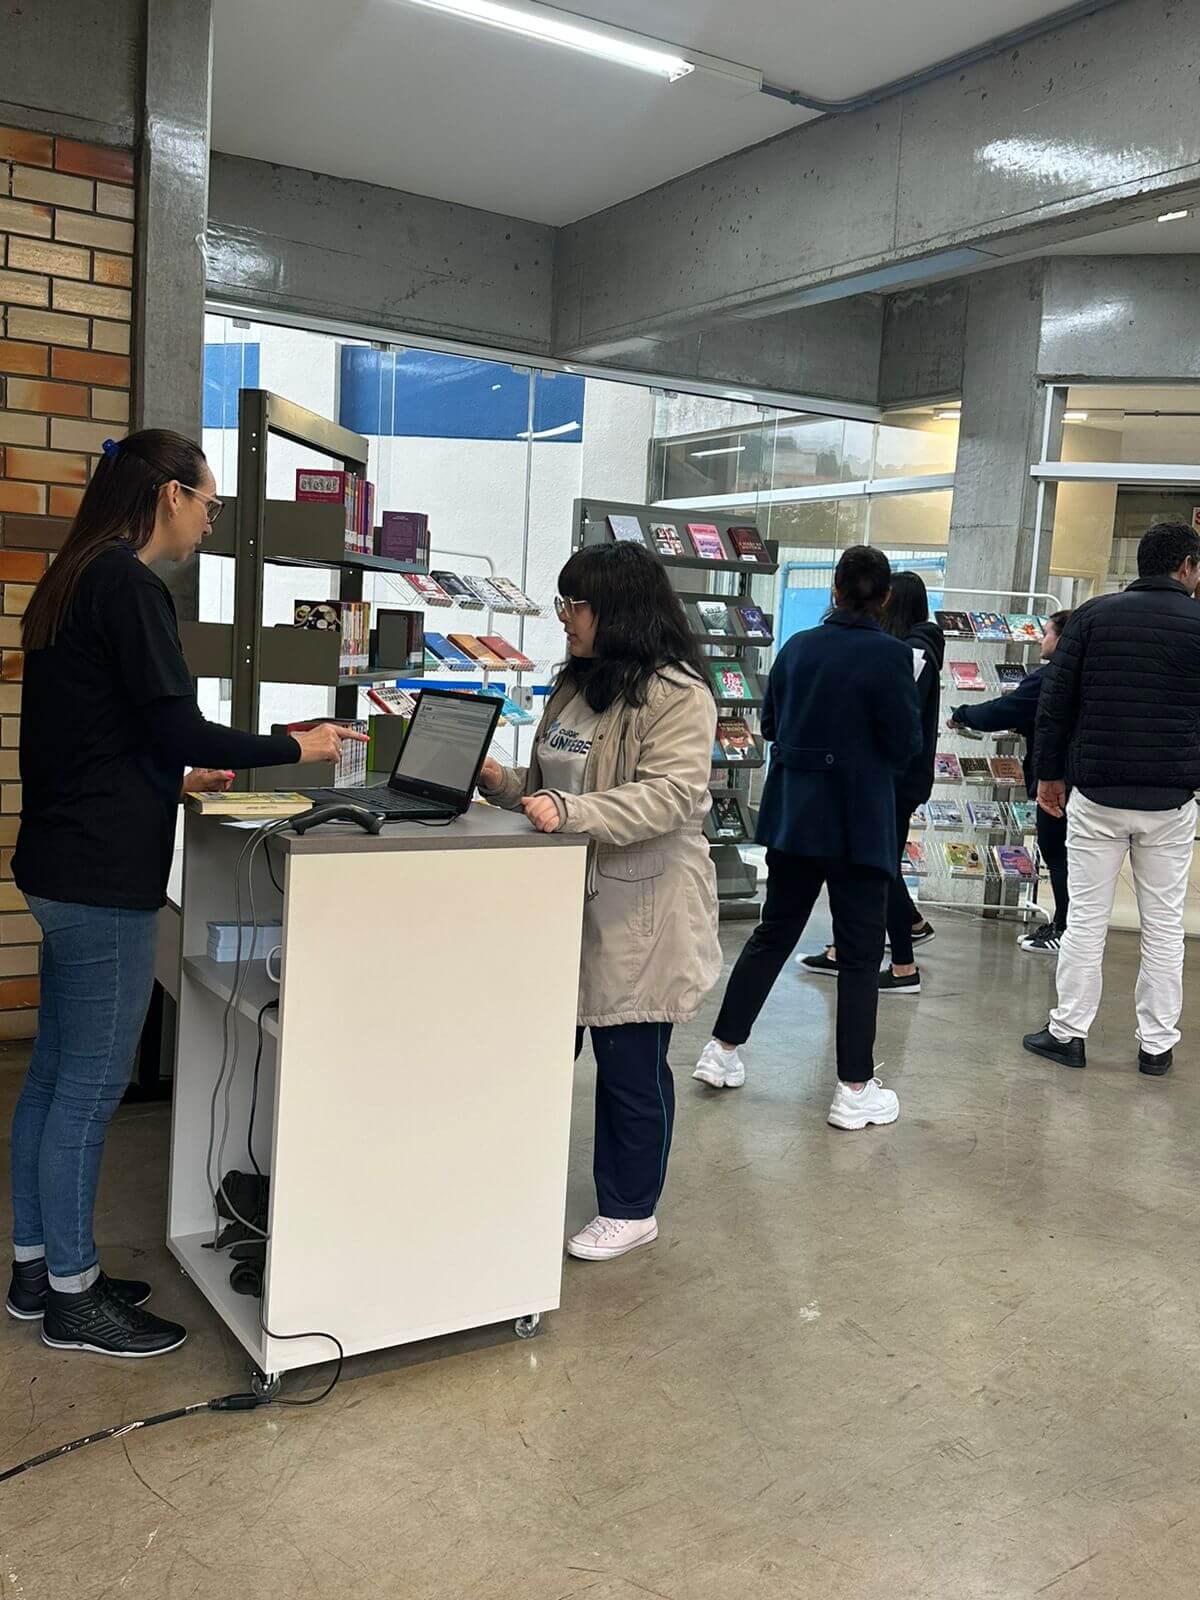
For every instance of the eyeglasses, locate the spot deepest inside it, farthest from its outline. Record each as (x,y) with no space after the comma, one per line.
(213,508)
(564,606)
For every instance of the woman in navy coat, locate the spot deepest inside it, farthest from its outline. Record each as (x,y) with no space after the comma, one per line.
(842,718)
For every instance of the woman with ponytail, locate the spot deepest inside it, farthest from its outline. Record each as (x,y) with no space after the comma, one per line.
(842,718)
(109,722)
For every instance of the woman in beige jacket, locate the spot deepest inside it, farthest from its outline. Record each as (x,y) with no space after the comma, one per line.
(624,754)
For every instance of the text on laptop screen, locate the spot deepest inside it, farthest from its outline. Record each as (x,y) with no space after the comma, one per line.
(443,743)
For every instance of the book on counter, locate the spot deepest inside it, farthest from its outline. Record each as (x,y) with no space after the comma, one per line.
(912,859)
(429,589)
(627,529)
(729,680)
(954,624)
(477,651)
(706,541)
(945,813)
(666,540)
(1024,625)
(351,619)
(1014,861)
(457,590)
(403,536)
(391,700)
(976,769)
(714,616)
(989,626)
(964,860)
(966,675)
(985,813)
(1007,771)
(735,742)
(749,546)
(1024,815)
(946,768)
(754,621)
(725,820)
(508,653)
(445,653)
(249,805)
(1009,674)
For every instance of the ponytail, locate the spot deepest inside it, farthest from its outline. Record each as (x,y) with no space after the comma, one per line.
(862,581)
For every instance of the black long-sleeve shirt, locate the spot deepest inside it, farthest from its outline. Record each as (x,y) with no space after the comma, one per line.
(1017,711)
(109,720)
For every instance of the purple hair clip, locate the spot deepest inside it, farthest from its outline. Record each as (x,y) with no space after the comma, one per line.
(110,447)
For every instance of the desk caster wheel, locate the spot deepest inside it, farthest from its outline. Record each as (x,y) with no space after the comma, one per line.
(264,1384)
(527,1327)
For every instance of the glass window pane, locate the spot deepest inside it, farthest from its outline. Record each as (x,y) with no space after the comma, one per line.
(916,441)
(911,519)
(1132,423)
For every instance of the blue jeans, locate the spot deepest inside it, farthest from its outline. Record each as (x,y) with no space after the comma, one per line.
(97,974)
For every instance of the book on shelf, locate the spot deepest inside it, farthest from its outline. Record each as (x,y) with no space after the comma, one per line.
(404,536)
(706,541)
(398,640)
(1014,861)
(477,651)
(945,813)
(327,486)
(964,860)
(508,653)
(350,619)
(457,590)
(729,680)
(516,598)
(351,764)
(1024,625)
(989,626)
(966,675)
(955,624)
(249,805)
(510,711)
(749,546)
(1008,675)
(946,768)
(1024,815)
(913,860)
(446,654)
(920,817)
(976,769)
(391,700)
(1007,771)
(725,820)
(754,622)
(985,813)
(1043,621)
(624,528)
(429,589)
(714,616)
(666,540)
(735,742)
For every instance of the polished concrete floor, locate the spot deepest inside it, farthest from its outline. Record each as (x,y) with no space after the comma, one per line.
(947,1360)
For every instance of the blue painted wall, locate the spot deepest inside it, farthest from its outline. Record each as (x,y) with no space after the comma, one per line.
(227,368)
(426,395)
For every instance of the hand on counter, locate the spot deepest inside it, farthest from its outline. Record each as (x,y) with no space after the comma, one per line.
(324,743)
(542,812)
(206,780)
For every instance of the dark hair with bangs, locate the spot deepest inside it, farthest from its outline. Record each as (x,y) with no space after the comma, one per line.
(641,625)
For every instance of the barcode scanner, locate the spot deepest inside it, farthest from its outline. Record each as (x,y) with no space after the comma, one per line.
(339,811)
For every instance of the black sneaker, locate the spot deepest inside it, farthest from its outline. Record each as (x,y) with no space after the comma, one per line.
(890,983)
(923,932)
(1068,1053)
(27,1291)
(1155,1066)
(1044,941)
(821,963)
(98,1320)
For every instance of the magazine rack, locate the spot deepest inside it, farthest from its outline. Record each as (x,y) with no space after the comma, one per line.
(711,584)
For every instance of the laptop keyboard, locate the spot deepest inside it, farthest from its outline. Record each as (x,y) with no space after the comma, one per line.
(384,802)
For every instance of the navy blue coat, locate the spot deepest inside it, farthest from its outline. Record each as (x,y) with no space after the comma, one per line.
(843,719)
(1017,711)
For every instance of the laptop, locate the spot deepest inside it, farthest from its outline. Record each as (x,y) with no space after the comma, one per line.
(436,771)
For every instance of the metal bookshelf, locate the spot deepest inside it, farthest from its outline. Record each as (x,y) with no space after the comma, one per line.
(728,582)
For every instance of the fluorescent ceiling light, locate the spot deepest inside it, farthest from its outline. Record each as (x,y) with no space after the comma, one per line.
(1075,416)
(725,450)
(548,25)
(1174,216)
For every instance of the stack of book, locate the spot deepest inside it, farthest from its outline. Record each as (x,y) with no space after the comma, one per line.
(351,619)
(242,805)
(256,940)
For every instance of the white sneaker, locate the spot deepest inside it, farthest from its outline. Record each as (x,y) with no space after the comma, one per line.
(606,1237)
(720,1068)
(871,1103)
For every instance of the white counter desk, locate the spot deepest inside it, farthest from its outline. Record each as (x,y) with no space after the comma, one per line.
(414,1095)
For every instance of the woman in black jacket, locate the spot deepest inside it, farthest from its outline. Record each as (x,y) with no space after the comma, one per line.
(109,721)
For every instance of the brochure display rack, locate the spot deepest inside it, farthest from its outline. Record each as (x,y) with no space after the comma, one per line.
(712,559)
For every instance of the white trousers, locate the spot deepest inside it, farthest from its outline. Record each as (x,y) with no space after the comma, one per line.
(1159,845)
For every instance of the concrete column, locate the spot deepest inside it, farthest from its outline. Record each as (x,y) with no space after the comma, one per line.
(172,219)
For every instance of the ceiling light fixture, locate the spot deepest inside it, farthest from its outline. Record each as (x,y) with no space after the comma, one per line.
(1075,416)
(1174,216)
(548,25)
(725,450)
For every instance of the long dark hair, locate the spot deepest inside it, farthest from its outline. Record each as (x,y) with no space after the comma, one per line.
(907,604)
(641,625)
(861,580)
(118,507)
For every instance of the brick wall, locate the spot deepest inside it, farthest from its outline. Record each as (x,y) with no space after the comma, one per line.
(66,281)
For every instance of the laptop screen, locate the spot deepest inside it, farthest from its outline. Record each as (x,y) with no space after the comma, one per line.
(446,741)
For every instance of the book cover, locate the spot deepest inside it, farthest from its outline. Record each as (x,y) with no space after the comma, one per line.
(985,813)
(945,814)
(457,590)
(919,818)
(714,616)
(397,640)
(976,769)
(913,860)
(429,589)
(322,615)
(1024,625)
(391,700)
(964,860)
(351,765)
(966,675)
(749,546)
(626,529)
(754,621)
(516,597)
(729,680)
(449,655)
(954,624)
(735,742)
(706,541)
(477,651)
(727,819)
(508,653)
(1024,815)
(666,540)
(404,536)
(1009,674)
(249,805)
(1014,861)
(946,768)
(512,713)
(989,625)
(1006,771)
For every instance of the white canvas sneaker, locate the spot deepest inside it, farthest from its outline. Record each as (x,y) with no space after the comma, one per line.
(606,1237)
(720,1068)
(871,1103)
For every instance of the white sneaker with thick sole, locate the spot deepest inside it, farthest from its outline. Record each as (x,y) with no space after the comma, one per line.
(607,1237)
(871,1103)
(720,1068)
